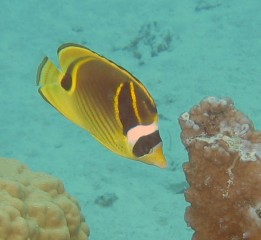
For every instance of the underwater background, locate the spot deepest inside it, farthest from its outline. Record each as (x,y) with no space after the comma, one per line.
(181,50)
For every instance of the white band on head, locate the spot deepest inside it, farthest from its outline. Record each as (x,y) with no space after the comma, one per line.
(135,133)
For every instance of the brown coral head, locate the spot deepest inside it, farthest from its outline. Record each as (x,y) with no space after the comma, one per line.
(224,171)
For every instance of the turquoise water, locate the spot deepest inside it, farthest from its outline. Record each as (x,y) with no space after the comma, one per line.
(181,50)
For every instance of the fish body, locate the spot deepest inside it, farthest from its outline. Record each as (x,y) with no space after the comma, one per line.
(104,99)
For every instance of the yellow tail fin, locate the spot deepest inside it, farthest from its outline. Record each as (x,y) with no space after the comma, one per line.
(49,81)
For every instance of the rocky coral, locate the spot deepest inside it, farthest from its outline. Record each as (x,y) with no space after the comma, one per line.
(224,172)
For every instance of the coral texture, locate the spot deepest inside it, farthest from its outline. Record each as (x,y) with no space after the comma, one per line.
(35,206)
(224,172)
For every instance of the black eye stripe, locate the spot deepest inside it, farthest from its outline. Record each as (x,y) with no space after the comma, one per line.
(146,143)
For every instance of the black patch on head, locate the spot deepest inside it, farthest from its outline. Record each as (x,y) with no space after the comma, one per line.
(66,82)
(126,111)
(146,143)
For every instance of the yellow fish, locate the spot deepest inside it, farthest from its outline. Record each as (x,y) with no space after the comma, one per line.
(104,99)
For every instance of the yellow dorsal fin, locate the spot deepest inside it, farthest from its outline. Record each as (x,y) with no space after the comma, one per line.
(68,53)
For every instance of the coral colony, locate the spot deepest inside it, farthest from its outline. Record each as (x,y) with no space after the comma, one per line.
(35,206)
(224,172)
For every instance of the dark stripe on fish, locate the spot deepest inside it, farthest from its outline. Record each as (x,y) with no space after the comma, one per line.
(145,106)
(145,144)
(66,82)
(126,112)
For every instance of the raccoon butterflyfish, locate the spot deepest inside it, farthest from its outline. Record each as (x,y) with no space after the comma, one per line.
(104,99)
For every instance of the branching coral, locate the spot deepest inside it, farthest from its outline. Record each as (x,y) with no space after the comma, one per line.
(224,172)
(35,206)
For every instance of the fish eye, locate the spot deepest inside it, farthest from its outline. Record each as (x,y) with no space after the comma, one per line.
(146,149)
